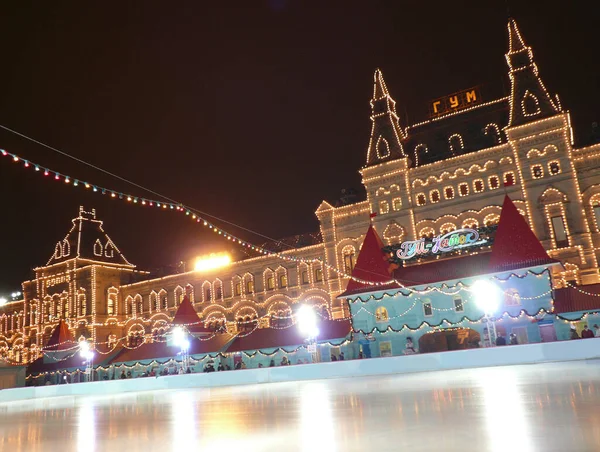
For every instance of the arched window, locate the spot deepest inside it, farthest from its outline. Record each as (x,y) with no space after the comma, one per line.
(447,227)
(492,130)
(109,249)
(66,248)
(348,254)
(530,104)
(129,310)
(163,299)
(427,233)
(421,199)
(154,301)
(218,290)
(471,223)
(456,144)
(138,305)
(491,219)
(249,284)
(207,292)
(419,149)
(383,148)
(269,279)
(178,295)
(81,302)
(381,314)
(98,248)
(396,204)
(236,284)
(303,273)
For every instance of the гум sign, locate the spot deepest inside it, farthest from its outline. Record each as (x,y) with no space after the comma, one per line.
(444,243)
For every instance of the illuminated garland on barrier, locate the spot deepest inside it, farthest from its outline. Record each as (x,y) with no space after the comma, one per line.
(190,212)
(195,361)
(389,329)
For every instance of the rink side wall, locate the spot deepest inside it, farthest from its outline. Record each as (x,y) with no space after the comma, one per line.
(470,358)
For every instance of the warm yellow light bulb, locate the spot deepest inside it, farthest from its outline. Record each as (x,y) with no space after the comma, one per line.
(212,261)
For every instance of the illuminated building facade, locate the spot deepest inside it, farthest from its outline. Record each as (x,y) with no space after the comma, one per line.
(448,172)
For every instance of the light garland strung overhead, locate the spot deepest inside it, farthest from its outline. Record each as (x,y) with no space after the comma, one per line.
(179,207)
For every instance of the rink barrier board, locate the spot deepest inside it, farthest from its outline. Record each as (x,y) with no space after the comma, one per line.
(582,349)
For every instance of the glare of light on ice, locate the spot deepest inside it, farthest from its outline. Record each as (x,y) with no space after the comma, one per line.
(183,422)
(86,427)
(317,430)
(505,414)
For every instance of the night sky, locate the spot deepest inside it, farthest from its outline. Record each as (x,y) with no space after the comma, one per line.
(252,111)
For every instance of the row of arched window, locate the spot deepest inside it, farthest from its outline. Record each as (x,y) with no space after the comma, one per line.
(464,189)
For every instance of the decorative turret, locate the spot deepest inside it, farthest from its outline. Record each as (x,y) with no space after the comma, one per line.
(386,134)
(529,99)
(87,240)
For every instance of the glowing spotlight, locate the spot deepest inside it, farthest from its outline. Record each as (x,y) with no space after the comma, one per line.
(212,262)
(487,296)
(307,321)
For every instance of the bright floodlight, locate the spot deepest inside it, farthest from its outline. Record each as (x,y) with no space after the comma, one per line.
(84,347)
(487,295)
(307,321)
(211,262)
(185,344)
(2,301)
(179,336)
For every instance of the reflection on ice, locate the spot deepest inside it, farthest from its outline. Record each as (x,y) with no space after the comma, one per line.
(86,427)
(522,408)
(317,431)
(505,412)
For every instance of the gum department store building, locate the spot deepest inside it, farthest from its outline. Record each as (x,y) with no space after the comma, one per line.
(449,172)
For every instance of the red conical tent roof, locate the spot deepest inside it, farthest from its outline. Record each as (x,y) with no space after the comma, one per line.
(187,315)
(61,338)
(515,244)
(371,265)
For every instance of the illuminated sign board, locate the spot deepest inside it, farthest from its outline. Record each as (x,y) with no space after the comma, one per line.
(443,243)
(454,102)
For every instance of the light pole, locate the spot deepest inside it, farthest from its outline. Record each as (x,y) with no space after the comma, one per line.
(180,340)
(88,355)
(307,324)
(487,297)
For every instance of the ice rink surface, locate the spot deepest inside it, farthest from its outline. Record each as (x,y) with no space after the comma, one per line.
(542,407)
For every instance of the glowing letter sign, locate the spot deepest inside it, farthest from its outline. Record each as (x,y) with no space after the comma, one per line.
(454,240)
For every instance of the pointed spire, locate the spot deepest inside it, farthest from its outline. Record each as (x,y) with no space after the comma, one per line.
(386,134)
(379,88)
(515,245)
(371,265)
(529,98)
(515,40)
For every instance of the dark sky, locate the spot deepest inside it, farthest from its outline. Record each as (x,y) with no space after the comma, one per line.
(254,111)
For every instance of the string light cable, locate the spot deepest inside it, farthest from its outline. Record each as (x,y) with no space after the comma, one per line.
(196,215)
